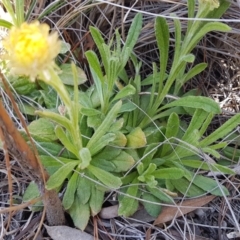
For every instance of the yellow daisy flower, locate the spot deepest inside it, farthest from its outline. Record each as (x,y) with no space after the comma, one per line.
(31,49)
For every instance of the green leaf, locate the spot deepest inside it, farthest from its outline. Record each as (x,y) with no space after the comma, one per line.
(208,27)
(52,164)
(222,131)
(206,124)
(63,121)
(104,164)
(66,75)
(23,85)
(120,139)
(189,58)
(127,107)
(90,111)
(154,208)
(117,125)
(210,185)
(128,205)
(125,92)
(197,120)
(132,38)
(94,121)
(207,166)
(168,173)
(191,11)
(86,157)
(55,149)
(186,188)
(42,130)
(104,127)
(149,170)
(96,200)
(69,195)
(162,37)
(123,162)
(198,102)
(62,136)
(27,109)
(83,189)
(102,142)
(60,175)
(100,45)
(108,153)
(171,132)
(97,74)
(80,214)
(193,72)
(50,98)
(19,8)
(232,153)
(30,193)
(105,177)
(65,47)
(149,80)
(161,195)
(136,138)
(6,24)
(212,152)
(9,9)
(148,154)
(178,32)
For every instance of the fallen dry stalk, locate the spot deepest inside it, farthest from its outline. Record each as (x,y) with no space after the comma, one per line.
(28,160)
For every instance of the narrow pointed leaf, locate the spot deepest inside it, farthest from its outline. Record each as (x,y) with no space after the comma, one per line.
(125,92)
(210,185)
(154,208)
(186,188)
(196,102)
(102,142)
(132,38)
(168,173)
(208,27)
(106,178)
(128,205)
(104,127)
(83,190)
(96,200)
(162,36)
(222,131)
(65,140)
(80,214)
(60,175)
(63,121)
(194,71)
(172,129)
(207,166)
(69,195)
(86,157)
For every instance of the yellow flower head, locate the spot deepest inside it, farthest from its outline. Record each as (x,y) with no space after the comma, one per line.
(31,49)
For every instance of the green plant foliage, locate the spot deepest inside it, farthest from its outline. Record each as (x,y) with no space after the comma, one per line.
(126,134)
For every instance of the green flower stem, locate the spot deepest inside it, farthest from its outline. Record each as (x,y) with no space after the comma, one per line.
(72,107)
(54,81)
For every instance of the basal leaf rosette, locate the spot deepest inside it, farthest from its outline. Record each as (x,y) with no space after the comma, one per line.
(31,49)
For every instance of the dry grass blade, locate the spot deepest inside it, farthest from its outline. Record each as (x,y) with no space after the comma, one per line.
(29,162)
